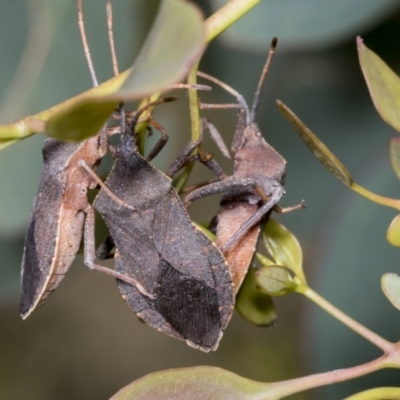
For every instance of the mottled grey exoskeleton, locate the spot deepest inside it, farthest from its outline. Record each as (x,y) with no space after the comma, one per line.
(190,291)
(252,191)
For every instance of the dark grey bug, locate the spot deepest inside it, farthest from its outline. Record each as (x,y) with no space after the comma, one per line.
(190,291)
(253,190)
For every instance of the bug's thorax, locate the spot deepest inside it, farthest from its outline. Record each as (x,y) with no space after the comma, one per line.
(77,179)
(256,157)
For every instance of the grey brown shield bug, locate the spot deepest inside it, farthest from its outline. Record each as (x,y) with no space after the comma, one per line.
(255,187)
(189,285)
(60,212)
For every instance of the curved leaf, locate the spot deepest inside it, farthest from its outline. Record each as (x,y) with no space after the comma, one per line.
(393,232)
(386,393)
(174,43)
(323,154)
(79,122)
(394,155)
(275,280)
(383,85)
(164,59)
(391,287)
(283,247)
(196,383)
(254,305)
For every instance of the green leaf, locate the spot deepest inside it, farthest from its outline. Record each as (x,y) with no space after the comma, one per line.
(323,154)
(393,232)
(306,23)
(383,85)
(394,155)
(283,247)
(80,122)
(381,393)
(391,287)
(164,59)
(174,43)
(197,383)
(254,305)
(275,280)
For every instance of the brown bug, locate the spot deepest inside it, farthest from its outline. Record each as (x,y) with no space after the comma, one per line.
(60,211)
(255,187)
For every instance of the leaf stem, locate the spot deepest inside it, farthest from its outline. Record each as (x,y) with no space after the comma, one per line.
(386,201)
(282,389)
(369,335)
(214,25)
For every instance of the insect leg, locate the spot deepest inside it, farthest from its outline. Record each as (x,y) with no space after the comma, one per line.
(235,186)
(89,254)
(161,142)
(94,176)
(216,136)
(285,210)
(255,218)
(103,252)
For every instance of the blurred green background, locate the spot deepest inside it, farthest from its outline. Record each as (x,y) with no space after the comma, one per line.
(85,343)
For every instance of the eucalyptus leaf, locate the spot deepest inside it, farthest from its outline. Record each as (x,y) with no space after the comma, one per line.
(394,154)
(323,154)
(381,393)
(175,42)
(383,85)
(275,280)
(163,60)
(197,383)
(393,232)
(391,287)
(80,122)
(254,305)
(306,23)
(283,247)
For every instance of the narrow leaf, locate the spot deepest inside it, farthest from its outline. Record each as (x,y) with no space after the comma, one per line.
(393,232)
(394,154)
(323,154)
(275,280)
(81,122)
(391,287)
(196,383)
(175,42)
(254,305)
(383,85)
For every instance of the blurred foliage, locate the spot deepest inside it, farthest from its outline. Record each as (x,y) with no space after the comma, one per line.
(306,24)
(85,343)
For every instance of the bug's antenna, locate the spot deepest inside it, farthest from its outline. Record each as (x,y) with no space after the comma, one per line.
(111,38)
(256,100)
(85,44)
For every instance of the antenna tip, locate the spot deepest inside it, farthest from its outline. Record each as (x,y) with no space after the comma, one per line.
(274,42)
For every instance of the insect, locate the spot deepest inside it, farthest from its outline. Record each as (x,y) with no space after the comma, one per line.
(58,215)
(253,190)
(190,292)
